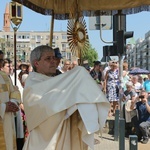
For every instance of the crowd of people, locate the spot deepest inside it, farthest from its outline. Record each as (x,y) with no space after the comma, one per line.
(133,86)
(38,108)
(132,93)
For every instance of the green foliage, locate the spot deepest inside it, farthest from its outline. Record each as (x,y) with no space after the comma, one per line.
(90,55)
(2,44)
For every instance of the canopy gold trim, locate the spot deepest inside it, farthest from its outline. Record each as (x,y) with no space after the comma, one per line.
(61,8)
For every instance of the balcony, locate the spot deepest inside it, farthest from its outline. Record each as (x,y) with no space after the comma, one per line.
(23,40)
(38,40)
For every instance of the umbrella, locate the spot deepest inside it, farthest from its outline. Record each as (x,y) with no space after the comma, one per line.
(139,71)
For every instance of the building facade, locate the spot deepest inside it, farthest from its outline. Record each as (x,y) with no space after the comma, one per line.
(138,55)
(27,41)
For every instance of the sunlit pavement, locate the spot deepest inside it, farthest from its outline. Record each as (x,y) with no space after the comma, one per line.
(107,143)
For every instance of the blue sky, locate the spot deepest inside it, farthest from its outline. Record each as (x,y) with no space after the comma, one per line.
(32,21)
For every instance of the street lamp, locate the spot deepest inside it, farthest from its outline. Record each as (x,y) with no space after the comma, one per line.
(16,19)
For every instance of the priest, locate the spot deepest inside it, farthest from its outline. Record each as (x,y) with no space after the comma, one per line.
(63,112)
(9,101)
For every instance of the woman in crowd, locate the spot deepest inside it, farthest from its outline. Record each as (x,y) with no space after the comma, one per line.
(66,66)
(111,86)
(129,96)
(24,67)
(137,85)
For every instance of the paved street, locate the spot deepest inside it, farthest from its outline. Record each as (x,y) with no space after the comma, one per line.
(107,143)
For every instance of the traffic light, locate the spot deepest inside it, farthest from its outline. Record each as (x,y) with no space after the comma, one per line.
(117,25)
(110,50)
(121,40)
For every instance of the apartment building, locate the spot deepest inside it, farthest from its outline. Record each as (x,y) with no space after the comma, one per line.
(138,55)
(27,41)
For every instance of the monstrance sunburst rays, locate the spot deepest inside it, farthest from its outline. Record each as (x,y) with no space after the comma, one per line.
(77,36)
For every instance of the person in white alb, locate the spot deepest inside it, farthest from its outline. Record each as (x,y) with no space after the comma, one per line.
(9,101)
(63,112)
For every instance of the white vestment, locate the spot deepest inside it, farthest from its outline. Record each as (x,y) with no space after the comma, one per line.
(7,93)
(19,122)
(51,105)
(17,81)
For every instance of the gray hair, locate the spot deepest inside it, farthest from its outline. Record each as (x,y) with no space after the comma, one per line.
(135,77)
(129,84)
(37,53)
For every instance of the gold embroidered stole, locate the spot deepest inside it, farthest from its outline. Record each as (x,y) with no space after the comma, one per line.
(12,94)
(8,86)
(2,139)
(3,88)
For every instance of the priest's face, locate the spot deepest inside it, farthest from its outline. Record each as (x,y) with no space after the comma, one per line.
(6,68)
(47,64)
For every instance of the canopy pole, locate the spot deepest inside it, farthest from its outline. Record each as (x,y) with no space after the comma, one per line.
(15,59)
(80,57)
(52,28)
(15,53)
(120,57)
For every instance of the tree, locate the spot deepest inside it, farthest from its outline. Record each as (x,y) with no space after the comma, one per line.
(2,43)
(90,55)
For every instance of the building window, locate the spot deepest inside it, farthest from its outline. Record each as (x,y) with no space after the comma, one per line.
(63,54)
(19,37)
(32,46)
(42,37)
(38,37)
(28,37)
(68,56)
(47,37)
(7,36)
(56,37)
(33,37)
(64,37)
(63,45)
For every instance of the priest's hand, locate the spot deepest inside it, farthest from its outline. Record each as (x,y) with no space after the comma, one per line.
(11,107)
